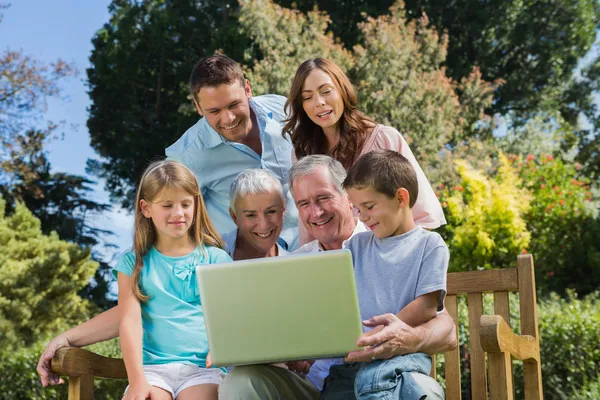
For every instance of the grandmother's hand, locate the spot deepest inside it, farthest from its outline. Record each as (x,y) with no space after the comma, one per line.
(389,337)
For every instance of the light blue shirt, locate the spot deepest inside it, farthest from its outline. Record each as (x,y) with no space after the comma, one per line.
(216,162)
(172,319)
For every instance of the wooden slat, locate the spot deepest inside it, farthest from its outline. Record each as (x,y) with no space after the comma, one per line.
(501,384)
(433,372)
(73,361)
(502,306)
(495,280)
(500,365)
(81,387)
(452,358)
(532,372)
(476,354)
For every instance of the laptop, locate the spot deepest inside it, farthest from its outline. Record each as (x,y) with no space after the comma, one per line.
(274,309)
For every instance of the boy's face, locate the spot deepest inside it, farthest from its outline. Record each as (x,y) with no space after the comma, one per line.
(383,215)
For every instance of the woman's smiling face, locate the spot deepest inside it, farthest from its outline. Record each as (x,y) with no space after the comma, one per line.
(322,100)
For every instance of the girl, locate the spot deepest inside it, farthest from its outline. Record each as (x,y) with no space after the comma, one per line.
(163,337)
(324,119)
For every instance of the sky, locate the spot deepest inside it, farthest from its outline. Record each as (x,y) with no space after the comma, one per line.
(49,30)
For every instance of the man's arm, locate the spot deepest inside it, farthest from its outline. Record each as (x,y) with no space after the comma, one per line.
(391,337)
(437,335)
(102,327)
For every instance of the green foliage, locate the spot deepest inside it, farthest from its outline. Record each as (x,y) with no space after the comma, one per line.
(485,218)
(569,344)
(563,222)
(39,279)
(20,380)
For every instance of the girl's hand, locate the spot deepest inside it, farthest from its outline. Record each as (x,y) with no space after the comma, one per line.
(44,368)
(139,391)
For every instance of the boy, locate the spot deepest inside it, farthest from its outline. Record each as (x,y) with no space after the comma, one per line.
(399,268)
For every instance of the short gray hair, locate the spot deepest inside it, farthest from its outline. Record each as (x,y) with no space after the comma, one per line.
(254,181)
(308,164)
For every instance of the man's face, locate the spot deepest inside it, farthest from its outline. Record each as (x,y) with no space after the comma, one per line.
(226,109)
(324,211)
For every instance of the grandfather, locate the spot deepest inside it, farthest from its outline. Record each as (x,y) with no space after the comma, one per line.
(238,132)
(326,212)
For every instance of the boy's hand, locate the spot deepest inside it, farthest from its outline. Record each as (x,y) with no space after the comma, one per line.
(301,367)
(389,338)
(208,360)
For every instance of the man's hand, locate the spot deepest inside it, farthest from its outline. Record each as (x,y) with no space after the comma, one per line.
(301,367)
(208,360)
(389,337)
(44,368)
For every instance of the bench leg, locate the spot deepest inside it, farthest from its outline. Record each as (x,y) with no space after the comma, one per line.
(81,387)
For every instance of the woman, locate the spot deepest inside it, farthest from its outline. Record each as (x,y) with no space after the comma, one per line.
(257,208)
(257,205)
(324,119)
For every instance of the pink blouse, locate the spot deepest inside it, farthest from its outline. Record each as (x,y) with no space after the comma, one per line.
(427,211)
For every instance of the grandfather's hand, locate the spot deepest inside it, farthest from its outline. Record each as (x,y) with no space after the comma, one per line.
(301,367)
(389,337)
(44,364)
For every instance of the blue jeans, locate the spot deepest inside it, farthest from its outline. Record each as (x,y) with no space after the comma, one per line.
(399,378)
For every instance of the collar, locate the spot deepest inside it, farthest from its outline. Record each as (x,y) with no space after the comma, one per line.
(360,227)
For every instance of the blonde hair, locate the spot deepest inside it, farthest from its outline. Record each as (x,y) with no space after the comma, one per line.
(160,176)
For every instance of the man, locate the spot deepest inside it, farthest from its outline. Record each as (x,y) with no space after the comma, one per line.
(326,212)
(238,132)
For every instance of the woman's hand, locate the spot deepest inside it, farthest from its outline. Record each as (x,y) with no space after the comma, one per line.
(389,337)
(44,364)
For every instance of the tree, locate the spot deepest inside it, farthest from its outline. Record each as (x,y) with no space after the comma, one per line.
(141,63)
(396,68)
(40,276)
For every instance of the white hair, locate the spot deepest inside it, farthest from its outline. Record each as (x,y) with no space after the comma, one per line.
(308,164)
(254,181)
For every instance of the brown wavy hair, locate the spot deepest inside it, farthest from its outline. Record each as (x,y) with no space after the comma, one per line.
(307,137)
(160,176)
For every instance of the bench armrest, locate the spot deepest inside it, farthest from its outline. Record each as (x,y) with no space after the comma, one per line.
(497,337)
(73,361)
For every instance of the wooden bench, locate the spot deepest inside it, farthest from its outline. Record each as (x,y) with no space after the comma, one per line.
(489,334)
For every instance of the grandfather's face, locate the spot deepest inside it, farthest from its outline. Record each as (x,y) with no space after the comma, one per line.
(324,211)
(226,109)
(259,219)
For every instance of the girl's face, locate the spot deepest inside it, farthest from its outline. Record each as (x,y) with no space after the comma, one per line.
(172,213)
(259,218)
(322,100)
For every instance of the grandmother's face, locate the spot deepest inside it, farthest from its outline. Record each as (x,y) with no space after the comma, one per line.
(259,219)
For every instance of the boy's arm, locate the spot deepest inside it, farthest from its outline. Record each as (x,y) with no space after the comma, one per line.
(130,331)
(421,309)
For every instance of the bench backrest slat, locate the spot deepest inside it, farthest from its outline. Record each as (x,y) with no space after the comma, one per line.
(495,280)
(476,353)
(452,358)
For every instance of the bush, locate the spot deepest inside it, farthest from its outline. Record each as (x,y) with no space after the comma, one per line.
(569,337)
(20,379)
